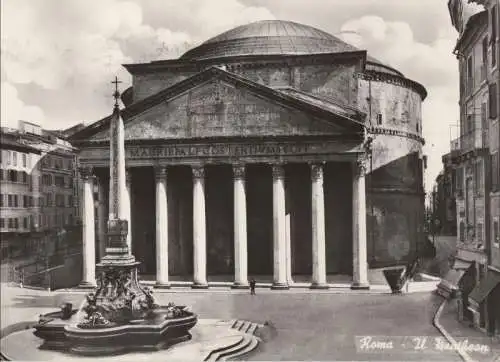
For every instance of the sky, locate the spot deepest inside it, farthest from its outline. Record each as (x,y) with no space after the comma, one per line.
(59,57)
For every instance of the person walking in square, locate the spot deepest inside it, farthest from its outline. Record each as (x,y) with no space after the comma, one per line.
(252,286)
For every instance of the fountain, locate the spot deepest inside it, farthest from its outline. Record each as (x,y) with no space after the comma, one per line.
(119,315)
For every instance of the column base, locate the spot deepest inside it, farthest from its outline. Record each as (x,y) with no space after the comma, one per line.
(360,286)
(199,286)
(240,286)
(87,285)
(161,285)
(280,286)
(319,286)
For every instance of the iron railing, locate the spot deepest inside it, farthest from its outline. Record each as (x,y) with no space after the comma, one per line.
(475,139)
(38,273)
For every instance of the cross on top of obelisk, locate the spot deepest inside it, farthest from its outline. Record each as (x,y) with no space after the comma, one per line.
(116,94)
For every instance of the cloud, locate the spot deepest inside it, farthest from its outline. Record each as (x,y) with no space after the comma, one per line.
(16,109)
(432,64)
(70,50)
(393,42)
(203,18)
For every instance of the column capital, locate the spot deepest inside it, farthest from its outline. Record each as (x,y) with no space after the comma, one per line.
(86,172)
(278,171)
(238,171)
(316,171)
(360,166)
(198,171)
(160,172)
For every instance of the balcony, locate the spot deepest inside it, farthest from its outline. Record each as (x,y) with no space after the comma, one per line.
(475,139)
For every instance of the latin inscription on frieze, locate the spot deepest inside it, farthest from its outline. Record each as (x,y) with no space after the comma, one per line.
(174,151)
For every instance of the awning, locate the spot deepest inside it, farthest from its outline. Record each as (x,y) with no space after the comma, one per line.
(484,288)
(462,264)
(450,283)
(453,277)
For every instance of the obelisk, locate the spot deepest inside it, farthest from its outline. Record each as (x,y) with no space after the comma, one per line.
(117,249)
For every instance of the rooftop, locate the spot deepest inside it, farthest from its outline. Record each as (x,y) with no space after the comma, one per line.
(273,37)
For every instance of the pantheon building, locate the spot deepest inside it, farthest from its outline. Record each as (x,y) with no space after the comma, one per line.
(273,149)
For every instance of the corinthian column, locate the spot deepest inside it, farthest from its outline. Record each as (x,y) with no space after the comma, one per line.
(318,228)
(360,263)
(88,228)
(161,228)
(279,232)
(199,229)
(240,229)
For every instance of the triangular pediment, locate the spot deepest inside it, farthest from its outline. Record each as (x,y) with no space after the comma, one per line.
(218,107)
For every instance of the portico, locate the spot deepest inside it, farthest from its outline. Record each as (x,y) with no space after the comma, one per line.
(217,215)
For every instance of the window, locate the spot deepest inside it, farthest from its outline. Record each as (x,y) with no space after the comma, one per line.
(59,181)
(26,201)
(1,200)
(60,200)
(24,177)
(462,231)
(484,116)
(484,64)
(10,200)
(24,159)
(493,100)
(25,222)
(12,175)
(479,232)
(379,118)
(470,123)
(49,199)
(8,157)
(14,158)
(16,223)
(2,223)
(495,232)
(495,172)
(494,34)
(70,200)
(460,181)
(469,75)
(478,178)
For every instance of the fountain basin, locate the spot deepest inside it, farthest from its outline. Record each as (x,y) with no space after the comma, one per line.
(159,330)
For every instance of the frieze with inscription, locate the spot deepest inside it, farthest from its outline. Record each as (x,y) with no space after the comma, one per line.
(215,150)
(183,152)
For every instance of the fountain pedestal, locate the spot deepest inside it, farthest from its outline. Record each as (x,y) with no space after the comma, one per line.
(120,315)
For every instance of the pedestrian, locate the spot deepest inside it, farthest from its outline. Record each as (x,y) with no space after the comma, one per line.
(252,286)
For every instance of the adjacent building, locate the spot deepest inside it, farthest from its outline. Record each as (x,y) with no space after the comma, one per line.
(474,156)
(443,202)
(272,149)
(39,190)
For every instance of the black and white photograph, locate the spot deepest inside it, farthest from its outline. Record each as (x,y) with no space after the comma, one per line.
(250,180)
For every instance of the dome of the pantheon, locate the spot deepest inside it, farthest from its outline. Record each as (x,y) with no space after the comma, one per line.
(275,37)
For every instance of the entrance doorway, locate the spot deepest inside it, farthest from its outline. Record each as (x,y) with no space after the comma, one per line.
(143,215)
(259,195)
